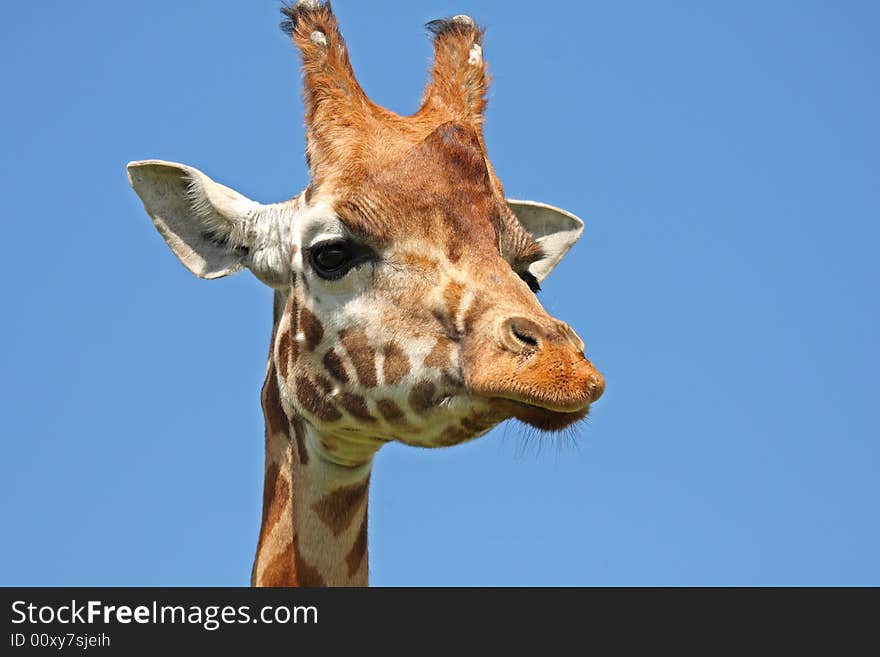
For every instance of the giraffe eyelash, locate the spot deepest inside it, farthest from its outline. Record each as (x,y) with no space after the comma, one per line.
(332,259)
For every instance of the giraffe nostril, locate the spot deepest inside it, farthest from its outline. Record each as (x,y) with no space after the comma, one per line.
(519,334)
(523,336)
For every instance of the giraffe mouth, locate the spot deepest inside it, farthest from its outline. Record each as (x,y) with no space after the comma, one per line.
(541,417)
(546,402)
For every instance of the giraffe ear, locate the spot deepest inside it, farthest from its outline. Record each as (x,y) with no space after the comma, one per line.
(202,221)
(555,230)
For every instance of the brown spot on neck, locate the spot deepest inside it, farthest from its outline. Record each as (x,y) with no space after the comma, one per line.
(338,509)
(307,575)
(281,570)
(270,481)
(359,550)
(276,496)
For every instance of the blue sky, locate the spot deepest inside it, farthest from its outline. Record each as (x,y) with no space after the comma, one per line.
(726,160)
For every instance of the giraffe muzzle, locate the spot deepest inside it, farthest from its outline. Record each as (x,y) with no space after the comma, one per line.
(538,364)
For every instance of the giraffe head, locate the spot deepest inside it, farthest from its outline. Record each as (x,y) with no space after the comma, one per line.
(410,280)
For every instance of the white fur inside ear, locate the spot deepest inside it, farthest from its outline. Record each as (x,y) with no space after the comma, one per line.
(556,230)
(202,221)
(318,38)
(221,210)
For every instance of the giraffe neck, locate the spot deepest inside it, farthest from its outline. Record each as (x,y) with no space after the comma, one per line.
(314,523)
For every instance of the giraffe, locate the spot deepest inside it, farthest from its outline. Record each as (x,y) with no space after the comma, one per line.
(404,282)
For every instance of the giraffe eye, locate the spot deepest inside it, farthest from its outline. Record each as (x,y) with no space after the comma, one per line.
(530,280)
(333,259)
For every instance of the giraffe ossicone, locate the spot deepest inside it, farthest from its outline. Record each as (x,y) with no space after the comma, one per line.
(404,293)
